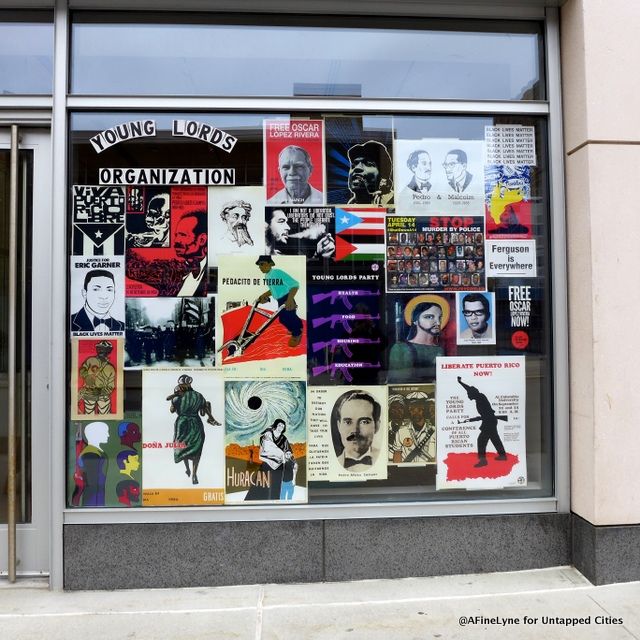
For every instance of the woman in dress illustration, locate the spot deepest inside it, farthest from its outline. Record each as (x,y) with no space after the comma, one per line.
(188,430)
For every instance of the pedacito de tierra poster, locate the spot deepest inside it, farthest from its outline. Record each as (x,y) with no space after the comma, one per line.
(262,324)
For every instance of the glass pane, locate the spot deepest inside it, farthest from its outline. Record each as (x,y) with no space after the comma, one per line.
(360,286)
(26,56)
(423,59)
(23,329)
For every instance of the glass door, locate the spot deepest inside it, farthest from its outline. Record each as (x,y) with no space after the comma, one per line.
(24,359)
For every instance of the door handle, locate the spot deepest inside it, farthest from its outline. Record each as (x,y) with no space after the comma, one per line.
(12,303)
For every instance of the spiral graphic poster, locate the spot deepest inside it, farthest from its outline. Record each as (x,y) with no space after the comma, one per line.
(265,441)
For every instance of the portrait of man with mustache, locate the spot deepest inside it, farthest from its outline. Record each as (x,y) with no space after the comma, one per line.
(355,423)
(236,215)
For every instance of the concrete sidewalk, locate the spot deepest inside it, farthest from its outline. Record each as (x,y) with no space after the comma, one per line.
(551,603)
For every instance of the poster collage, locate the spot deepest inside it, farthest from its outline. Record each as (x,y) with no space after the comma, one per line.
(365,312)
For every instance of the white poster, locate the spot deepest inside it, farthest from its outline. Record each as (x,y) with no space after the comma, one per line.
(512,144)
(347,433)
(182,437)
(480,420)
(97,295)
(476,318)
(236,221)
(510,258)
(444,176)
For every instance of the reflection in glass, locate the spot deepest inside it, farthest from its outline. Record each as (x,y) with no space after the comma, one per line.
(501,63)
(26,58)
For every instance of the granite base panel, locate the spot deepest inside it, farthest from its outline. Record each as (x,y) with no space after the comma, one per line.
(605,554)
(418,547)
(190,554)
(129,556)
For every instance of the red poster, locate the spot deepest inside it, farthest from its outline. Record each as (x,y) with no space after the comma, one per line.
(294,168)
(167,244)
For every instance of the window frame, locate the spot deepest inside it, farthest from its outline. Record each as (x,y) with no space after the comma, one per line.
(550,109)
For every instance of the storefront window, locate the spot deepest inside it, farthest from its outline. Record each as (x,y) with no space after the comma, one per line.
(431,59)
(307,307)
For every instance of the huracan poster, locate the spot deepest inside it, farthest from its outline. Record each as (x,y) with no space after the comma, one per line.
(481,422)
(266,441)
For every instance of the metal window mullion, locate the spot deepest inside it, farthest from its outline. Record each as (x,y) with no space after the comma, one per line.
(534,9)
(57,300)
(390,106)
(305,512)
(559,267)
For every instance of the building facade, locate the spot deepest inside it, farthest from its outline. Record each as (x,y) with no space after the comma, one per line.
(294,293)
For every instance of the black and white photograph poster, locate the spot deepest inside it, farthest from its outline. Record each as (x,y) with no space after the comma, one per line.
(348,439)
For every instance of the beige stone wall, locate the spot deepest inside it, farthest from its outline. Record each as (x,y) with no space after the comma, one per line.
(600,44)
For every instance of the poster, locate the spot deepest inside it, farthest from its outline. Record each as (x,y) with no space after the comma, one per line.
(167,245)
(442,176)
(412,424)
(262,325)
(236,221)
(513,144)
(170,332)
(346,327)
(360,234)
(105,459)
(359,163)
(96,378)
(151,217)
(435,253)
(265,441)
(97,296)
(511,258)
(481,422)
(301,231)
(347,433)
(98,215)
(421,329)
(520,319)
(182,437)
(294,162)
(508,201)
(476,318)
